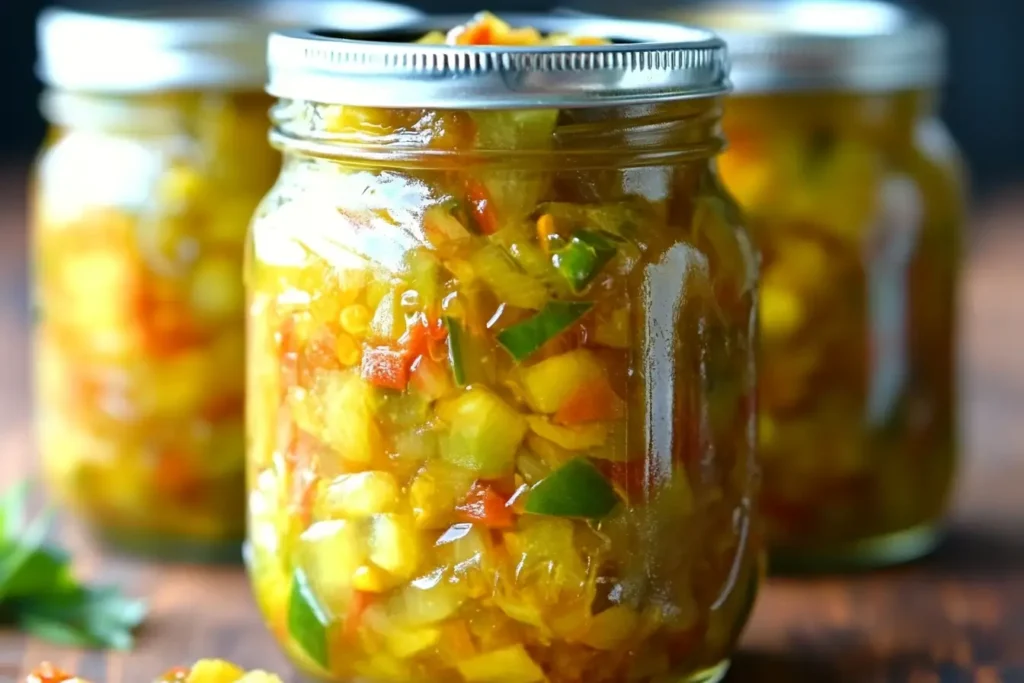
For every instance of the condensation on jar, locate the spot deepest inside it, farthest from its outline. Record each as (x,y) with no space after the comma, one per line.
(855,198)
(155,160)
(500,374)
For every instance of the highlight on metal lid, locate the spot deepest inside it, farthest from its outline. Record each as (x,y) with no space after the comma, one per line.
(186,45)
(859,45)
(643,62)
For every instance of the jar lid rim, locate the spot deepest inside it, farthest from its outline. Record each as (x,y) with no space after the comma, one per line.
(646,62)
(185,46)
(794,45)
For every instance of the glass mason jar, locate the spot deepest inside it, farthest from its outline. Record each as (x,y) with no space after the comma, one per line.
(142,194)
(500,375)
(855,198)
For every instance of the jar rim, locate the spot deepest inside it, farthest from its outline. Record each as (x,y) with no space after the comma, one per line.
(646,62)
(185,46)
(817,45)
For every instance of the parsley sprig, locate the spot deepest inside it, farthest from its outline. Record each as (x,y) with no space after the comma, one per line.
(40,595)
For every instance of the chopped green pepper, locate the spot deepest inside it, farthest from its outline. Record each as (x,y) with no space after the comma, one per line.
(306,621)
(576,489)
(455,350)
(523,339)
(583,258)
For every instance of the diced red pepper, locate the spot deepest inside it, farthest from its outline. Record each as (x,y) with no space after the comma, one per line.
(288,354)
(430,378)
(165,321)
(318,353)
(390,367)
(302,467)
(175,477)
(360,601)
(484,505)
(422,336)
(48,673)
(178,674)
(483,207)
(385,367)
(594,401)
(223,408)
(477,33)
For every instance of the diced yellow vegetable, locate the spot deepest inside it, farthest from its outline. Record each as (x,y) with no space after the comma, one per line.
(214,671)
(508,665)
(544,552)
(574,438)
(611,628)
(612,328)
(259,677)
(89,278)
(434,492)
(549,383)
(360,495)
(519,607)
(484,432)
(405,644)
(383,667)
(332,551)
(370,579)
(347,409)
(781,312)
(507,279)
(395,544)
(355,319)
(217,291)
(422,606)
(347,350)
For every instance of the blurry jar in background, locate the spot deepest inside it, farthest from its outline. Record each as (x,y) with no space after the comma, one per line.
(855,197)
(501,378)
(142,193)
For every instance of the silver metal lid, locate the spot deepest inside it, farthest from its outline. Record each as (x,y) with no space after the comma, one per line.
(186,45)
(788,45)
(647,62)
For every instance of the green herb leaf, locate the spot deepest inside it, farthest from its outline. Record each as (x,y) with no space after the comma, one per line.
(12,511)
(306,620)
(45,571)
(18,554)
(39,593)
(85,617)
(524,339)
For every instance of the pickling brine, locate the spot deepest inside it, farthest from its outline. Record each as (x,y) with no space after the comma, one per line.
(501,390)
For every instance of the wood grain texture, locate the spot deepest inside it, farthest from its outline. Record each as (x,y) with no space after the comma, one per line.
(956,618)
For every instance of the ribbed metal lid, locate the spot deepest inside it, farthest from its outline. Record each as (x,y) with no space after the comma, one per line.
(790,45)
(647,62)
(186,45)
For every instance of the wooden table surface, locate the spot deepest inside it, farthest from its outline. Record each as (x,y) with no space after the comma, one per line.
(956,618)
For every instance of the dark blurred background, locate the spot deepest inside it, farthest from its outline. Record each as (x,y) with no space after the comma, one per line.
(983,103)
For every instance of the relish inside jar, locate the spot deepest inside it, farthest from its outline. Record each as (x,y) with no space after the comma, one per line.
(856,205)
(855,197)
(142,195)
